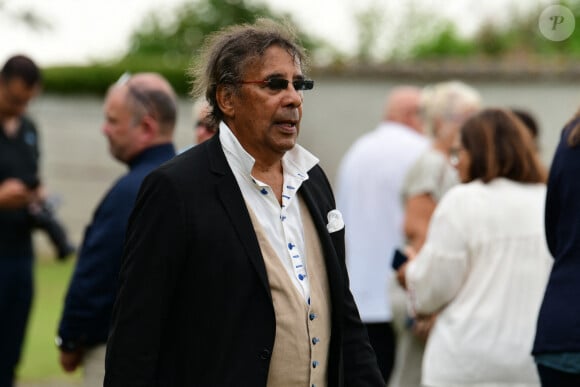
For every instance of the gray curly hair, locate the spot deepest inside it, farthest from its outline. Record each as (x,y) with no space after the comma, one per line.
(226,53)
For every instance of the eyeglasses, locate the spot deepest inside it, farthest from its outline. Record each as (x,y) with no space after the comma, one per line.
(282,84)
(454,156)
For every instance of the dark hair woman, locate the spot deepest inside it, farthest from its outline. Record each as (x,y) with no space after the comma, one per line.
(485,264)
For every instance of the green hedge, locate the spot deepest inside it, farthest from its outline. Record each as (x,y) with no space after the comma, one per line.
(96,79)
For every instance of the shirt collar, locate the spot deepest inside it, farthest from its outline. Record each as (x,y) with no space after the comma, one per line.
(297,161)
(155,152)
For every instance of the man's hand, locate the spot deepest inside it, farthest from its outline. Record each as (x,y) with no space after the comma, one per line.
(14,194)
(69,361)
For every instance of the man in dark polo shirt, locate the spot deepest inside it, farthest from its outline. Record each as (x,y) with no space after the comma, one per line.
(20,80)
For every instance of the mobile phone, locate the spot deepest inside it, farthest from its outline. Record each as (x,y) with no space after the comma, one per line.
(399,259)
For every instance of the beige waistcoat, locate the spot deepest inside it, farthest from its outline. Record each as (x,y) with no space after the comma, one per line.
(300,353)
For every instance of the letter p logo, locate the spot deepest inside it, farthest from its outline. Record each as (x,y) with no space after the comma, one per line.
(557,23)
(557,20)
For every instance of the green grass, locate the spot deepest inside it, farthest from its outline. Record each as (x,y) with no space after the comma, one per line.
(40,356)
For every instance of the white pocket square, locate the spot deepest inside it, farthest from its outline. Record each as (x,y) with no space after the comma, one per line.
(335,221)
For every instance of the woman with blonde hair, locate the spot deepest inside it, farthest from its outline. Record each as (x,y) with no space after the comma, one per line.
(484,265)
(444,107)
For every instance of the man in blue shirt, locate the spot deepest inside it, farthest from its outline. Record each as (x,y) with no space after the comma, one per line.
(140,115)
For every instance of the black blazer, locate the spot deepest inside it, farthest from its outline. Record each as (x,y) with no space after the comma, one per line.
(194,305)
(558,326)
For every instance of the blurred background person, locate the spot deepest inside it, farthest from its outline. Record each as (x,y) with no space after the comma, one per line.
(20,82)
(557,342)
(444,107)
(205,128)
(484,265)
(370,177)
(140,116)
(531,123)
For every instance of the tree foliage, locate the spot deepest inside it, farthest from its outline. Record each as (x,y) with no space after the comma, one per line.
(26,16)
(177,40)
(518,36)
(368,22)
(167,43)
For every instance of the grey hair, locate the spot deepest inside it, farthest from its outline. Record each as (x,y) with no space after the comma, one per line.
(159,101)
(445,101)
(226,53)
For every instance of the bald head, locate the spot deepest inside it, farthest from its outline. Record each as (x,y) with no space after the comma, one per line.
(140,112)
(151,93)
(402,106)
(152,81)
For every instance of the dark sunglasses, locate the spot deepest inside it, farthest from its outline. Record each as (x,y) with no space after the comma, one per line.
(282,84)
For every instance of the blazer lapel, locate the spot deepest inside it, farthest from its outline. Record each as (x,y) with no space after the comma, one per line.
(335,278)
(230,195)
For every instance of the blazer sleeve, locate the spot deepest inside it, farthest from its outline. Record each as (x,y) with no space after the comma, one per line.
(90,297)
(152,257)
(436,275)
(552,210)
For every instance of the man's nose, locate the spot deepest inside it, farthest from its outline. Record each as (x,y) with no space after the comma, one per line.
(292,96)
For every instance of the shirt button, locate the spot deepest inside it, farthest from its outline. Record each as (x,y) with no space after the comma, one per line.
(315,340)
(315,364)
(312,316)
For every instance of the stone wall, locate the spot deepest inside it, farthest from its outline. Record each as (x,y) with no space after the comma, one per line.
(78,168)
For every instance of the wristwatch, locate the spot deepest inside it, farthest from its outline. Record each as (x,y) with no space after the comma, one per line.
(66,345)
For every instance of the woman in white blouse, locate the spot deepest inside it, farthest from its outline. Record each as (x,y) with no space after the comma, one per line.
(485,263)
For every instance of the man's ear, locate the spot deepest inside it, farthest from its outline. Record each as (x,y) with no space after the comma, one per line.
(150,127)
(225,100)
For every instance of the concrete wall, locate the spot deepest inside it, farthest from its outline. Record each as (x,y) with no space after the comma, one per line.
(78,168)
